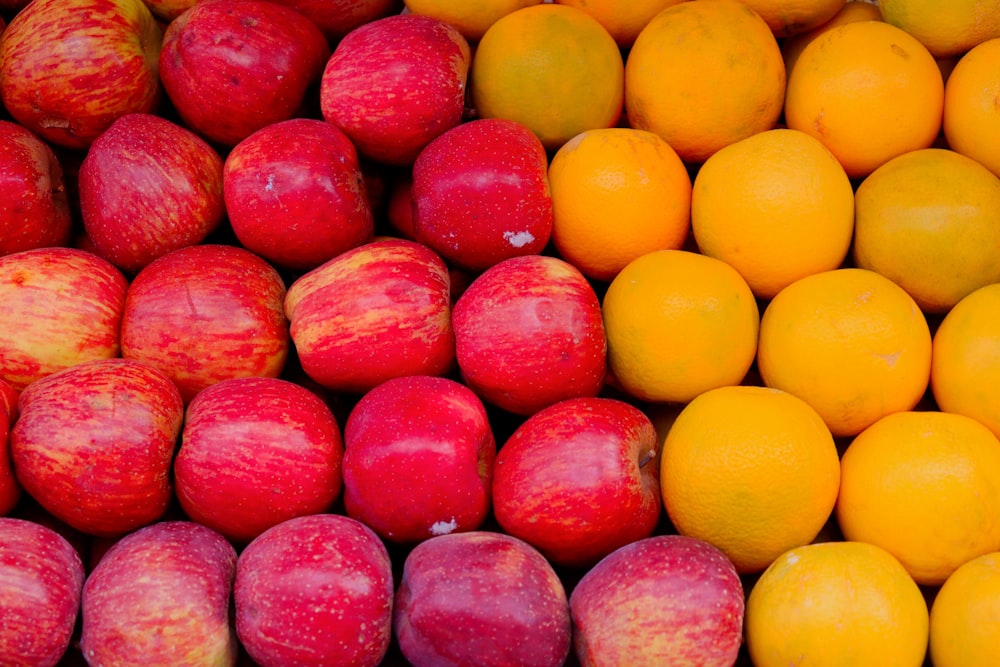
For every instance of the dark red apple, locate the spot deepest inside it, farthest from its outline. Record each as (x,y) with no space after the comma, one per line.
(399,206)
(480,598)
(395,83)
(336,18)
(10,488)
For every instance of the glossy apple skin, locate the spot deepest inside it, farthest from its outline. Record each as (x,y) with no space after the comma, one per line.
(98,60)
(206,313)
(255,452)
(480,598)
(666,599)
(579,479)
(394,84)
(481,194)
(295,194)
(68,306)
(419,459)
(378,311)
(232,67)
(148,186)
(315,590)
(34,206)
(336,18)
(41,578)
(529,333)
(163,592)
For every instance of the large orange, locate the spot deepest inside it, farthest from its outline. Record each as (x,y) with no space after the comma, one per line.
(853,10)
(472,19)
(624,20)
(791,17)
(960,634)
(971,111)
(945,28)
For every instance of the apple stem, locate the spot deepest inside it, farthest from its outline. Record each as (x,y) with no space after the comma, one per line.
(647,456)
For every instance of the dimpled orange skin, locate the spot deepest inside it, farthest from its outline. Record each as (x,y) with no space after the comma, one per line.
(959,636)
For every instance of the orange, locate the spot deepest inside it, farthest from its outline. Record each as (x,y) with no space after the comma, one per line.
(703,75)
(624,20)
(945,28)
(552,68)
(971,112)
(964,631)
(777,206)
(868,91)
(792,17)
(754,471)
(472,19)
(929,220)
(850,343)
(836,604)
(854,10)
(678,324)
(617,193)
(924,486)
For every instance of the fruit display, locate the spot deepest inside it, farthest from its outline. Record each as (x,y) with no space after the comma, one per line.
(508,333)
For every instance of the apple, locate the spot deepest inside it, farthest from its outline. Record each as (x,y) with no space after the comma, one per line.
(42,577)
(68,306)
(148,186)
(163,592)
(481,194)
(418,459)
(295,194)
(529,333)
(395,83)
(68,70)
(664,599)
(167,10)
(232,67)
(10,488)
(336,18)
(579,479)
(315,590)
(480,598)
(399,206)
(206,313)
(378,311)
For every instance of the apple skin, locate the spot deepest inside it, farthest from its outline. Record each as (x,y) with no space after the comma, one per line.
(41,579)
(395,83)
(336,18)
(68,305)
(34,206)
(579,479)
(378,311)
(10,488)
(295,194)
(529,333)
(418,461)
(98,60)
(315,590)
(665,599)
(206,313)
(255,452)
(480,598)
(481,194)
(232,67)
(148,186)
(167,10)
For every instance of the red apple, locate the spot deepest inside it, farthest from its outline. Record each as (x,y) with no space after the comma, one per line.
(68,70)
(295,194)
(206,313)
(662,600)
(418,459)
(379,311)
(395,83)
(10,488)
(315,590)
(67,305)
(399,206)
(579,479)
(480,598)
(529,333)
(163,593)
(232,67)
(481,194)
(148,186)
(255,452)
(42,576)
(34,207)
(336,18)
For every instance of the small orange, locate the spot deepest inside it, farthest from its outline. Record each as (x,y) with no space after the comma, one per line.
(945,28)
(624,20)
(792,17)
(703,75)
(971,108)
(472,19)
(617,193)
(963,630)
(853,10)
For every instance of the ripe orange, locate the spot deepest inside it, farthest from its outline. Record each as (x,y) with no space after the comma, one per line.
(472,19)
(868,91)
(754,471)
(678,323)
(552,68)
(963,628)
(703,75)
(777,206)
(853,10)
(836,603)
(971,112)
(624,20)
(791,17)
(850,343)
(945,28)
(617,193)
